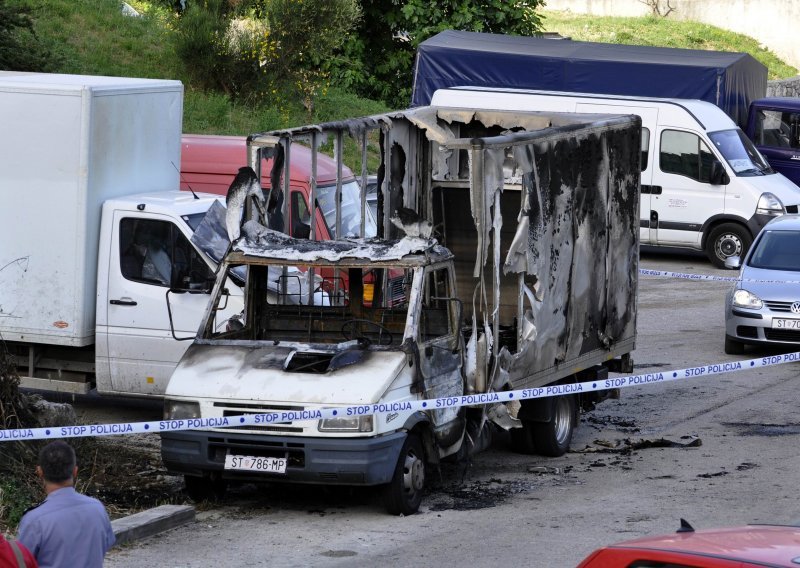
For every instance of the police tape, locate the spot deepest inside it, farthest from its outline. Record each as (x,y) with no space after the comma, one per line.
(667,274)
(287,416)
(686,276)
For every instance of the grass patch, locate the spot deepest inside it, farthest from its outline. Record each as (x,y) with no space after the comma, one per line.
(662,32)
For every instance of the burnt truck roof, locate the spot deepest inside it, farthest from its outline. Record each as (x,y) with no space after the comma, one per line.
(272,247)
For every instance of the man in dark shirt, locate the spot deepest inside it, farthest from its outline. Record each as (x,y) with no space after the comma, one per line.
(67,529)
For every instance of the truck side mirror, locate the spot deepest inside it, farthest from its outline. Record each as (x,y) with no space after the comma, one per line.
(718,174)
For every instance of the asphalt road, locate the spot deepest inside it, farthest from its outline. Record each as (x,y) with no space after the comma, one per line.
(509,509)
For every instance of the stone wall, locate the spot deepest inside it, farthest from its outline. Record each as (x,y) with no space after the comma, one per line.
(784,88)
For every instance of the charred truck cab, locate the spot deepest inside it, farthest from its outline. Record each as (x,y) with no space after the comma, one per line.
(506,258)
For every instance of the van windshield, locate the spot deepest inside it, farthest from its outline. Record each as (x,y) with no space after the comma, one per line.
(351,211)
(740,153)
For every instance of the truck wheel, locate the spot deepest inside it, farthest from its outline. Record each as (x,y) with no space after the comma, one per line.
(725,240)
(403,494)
(204,488)
(552,438)
(733,347)
(522,438)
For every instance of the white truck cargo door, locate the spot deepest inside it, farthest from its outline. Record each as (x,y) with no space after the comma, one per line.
(148,252)
(649,116)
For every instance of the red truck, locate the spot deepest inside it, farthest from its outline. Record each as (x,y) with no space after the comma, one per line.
(209,164)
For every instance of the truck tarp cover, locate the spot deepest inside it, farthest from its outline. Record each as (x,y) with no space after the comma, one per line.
(454,59)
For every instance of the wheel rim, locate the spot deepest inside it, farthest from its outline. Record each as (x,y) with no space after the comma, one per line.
(413,473)
(728,244)
(562,421)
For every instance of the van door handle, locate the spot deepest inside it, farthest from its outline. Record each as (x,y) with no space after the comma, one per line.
(123,303)
(652,189)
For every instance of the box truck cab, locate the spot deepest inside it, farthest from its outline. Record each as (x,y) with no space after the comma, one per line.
(774,126)
(209,164)
(704,185)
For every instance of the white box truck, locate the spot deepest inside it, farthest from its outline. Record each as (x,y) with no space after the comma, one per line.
(95,251)
(704,185)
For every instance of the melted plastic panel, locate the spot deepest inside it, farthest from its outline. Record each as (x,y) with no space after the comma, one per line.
(582,247)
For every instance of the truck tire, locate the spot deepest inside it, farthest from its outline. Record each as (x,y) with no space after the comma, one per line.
(522,438)
(403,494)
(726,240)
(552,438)
(204,488)
(733,347)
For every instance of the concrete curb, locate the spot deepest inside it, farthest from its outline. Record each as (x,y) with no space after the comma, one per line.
(151,522)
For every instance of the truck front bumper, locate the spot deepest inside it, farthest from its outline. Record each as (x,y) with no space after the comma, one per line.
(335,461)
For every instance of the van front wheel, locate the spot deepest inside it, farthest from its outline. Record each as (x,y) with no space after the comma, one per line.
(726,240)
(403,494)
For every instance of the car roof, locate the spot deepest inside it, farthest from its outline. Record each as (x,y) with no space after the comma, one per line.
(771,545)
(784,223)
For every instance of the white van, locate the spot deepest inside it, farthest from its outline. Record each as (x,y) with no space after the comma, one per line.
(704,185)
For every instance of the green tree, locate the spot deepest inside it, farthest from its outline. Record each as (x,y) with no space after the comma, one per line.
(382,56)
(263,48)
(20,48)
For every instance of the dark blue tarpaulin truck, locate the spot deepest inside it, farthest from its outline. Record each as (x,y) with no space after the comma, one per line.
(732,81)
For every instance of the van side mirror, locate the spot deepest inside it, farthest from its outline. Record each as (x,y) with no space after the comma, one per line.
(718,174)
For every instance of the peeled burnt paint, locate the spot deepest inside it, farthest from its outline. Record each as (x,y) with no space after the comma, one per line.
(577,232)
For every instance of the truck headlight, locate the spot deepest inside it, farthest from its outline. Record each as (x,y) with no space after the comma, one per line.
(769,204)
(745,299)
(180,409)
(355,424)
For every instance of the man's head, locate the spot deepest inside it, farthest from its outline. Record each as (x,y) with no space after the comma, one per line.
(57,464)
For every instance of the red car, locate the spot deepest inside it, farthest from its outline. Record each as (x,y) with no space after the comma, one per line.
(752,545)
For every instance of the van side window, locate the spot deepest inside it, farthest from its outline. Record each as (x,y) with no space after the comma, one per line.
(685,154)
(300,216)
(645,147)
(156,252)
(777,129)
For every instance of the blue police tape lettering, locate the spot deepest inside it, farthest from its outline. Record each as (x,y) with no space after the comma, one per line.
(108,429)
(68,431)
(563,389)
(615,382)
(385,408)
(171,425)
(532,393)
(21,434)
(694,372)
(358,410)
(483,398)
(644,379)
(268,418)
(447,401)
(293,415)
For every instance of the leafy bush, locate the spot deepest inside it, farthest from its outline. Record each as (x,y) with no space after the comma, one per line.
(20,48)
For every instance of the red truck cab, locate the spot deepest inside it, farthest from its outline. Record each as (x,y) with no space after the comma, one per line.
(209,164)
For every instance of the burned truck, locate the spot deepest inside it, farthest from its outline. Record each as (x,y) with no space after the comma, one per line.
(506,258)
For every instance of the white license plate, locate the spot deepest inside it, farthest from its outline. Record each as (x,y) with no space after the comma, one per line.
(255,463)
(779,323)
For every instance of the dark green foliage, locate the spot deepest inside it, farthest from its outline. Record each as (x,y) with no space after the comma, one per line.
(383,47)
(20,49)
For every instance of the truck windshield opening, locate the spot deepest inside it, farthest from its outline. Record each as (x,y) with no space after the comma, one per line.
(316,305)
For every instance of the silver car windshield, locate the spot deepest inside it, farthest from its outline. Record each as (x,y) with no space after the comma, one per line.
(740,153)
(777,250)
(351,211)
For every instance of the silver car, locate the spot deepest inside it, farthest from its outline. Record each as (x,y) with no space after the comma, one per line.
(763,307)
